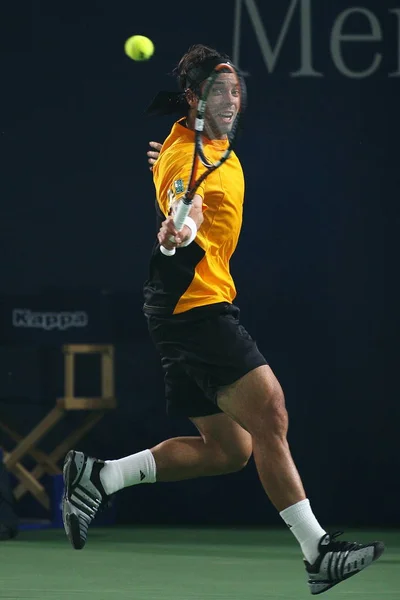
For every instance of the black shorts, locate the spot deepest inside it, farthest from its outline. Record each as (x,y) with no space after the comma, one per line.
(202,350)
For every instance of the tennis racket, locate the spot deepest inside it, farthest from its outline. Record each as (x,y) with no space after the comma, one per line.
(222,101)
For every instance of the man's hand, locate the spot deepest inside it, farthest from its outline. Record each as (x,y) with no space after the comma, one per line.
(168,231)
(153,154)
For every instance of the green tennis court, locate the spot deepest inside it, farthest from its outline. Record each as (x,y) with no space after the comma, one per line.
(180,564)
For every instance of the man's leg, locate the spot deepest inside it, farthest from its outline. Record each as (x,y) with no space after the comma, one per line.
(256,401)
(223,447)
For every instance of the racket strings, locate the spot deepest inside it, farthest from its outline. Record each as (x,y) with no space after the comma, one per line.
(218,117)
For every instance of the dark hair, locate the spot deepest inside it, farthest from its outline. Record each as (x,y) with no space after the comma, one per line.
(196,65)
(193,68)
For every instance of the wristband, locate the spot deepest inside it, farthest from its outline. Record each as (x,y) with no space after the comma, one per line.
(193,228)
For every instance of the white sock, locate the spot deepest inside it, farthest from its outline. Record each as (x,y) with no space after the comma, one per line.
(305,527)
(131,470)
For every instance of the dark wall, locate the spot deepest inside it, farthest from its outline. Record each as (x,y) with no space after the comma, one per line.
(321,159)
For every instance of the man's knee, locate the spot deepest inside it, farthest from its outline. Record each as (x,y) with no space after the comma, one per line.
(229,445)
(234,459)
(237,461)
(273,417)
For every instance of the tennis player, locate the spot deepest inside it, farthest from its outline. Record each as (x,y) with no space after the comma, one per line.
(214,372)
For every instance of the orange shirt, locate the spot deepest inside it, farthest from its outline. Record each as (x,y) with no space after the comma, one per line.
(222,193)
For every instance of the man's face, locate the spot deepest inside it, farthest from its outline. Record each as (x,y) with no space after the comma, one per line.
(223,105)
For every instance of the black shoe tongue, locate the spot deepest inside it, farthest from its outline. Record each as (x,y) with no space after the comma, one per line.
(324,541)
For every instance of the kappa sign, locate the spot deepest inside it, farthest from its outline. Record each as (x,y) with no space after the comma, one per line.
(48,321)
(370,37)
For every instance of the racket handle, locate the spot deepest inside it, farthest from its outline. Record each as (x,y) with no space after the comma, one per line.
(179,220)
(181,213)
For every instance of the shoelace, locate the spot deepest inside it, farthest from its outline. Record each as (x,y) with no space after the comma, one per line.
(341,546)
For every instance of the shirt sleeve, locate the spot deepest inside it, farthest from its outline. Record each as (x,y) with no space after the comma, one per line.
(171,174)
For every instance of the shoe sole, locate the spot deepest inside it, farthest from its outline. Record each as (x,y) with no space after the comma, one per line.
(379,550)
(70,520)
(331,585)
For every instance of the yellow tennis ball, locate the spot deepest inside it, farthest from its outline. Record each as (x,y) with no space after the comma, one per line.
(139,47)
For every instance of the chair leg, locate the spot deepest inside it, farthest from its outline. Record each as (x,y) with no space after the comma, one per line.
(30,483)
(38,455)
(60,451)
(34,436)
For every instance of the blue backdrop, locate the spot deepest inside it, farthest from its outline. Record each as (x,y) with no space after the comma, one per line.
(316,267)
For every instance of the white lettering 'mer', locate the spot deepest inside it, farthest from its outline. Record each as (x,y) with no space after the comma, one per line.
(271,52)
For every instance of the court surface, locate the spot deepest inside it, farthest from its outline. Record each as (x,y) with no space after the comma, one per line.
(180,564)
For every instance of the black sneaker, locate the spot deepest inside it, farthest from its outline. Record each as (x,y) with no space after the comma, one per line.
(83,495)
(339,560)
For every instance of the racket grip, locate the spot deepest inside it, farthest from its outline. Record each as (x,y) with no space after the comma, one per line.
(179,220)
(181,213)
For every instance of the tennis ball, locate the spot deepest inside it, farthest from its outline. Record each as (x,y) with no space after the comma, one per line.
(139,47)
